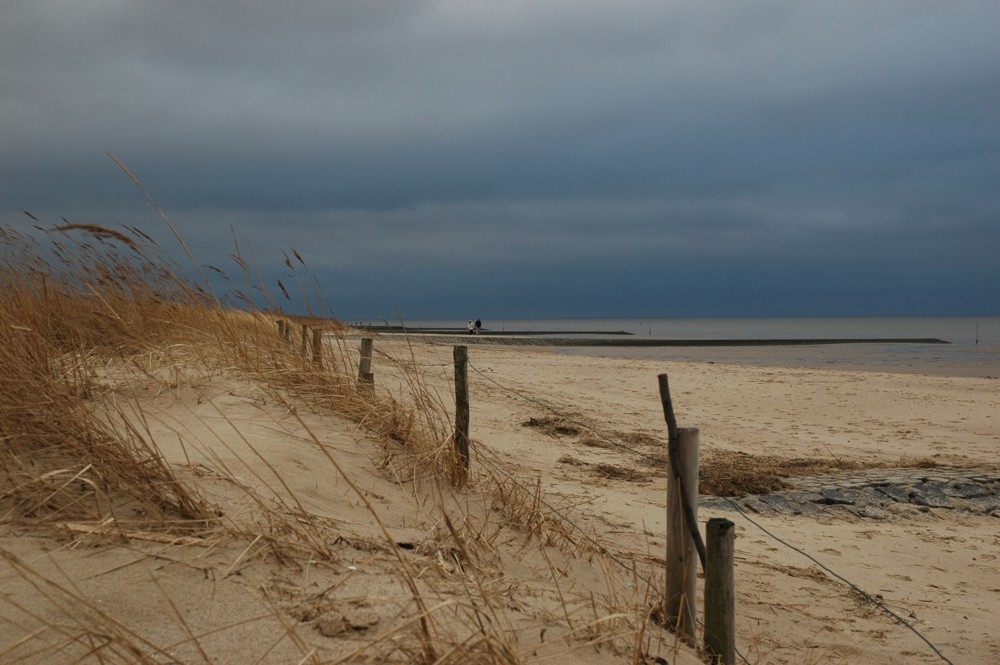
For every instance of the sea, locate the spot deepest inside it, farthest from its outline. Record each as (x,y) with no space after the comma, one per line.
(972,345)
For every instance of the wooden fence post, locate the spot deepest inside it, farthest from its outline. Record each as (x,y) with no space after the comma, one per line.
(305,340)
(720,594)
(365,374)
(317,348)
(461,354)
(682,561)
(281,328)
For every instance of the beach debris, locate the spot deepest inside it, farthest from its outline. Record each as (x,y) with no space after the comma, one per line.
(875,494)
(553,426)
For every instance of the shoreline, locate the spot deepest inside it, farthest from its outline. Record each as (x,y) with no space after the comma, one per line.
(929,355)
(938,361)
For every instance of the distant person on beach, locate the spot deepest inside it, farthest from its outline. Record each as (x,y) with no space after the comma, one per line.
(479,324)
(471,327)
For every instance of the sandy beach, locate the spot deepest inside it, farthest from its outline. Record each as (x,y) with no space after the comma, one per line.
(581,435)
(936,568)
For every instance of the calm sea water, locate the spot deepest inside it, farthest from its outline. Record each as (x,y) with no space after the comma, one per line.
(973,347)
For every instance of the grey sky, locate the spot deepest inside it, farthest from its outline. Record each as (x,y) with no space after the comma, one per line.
(463,158)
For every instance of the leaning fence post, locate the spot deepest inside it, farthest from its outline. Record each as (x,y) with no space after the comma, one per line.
(461,354)
(365,374)
(318,348)
(682,562)
(720,594)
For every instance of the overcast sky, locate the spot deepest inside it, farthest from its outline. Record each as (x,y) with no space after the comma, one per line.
(530,158)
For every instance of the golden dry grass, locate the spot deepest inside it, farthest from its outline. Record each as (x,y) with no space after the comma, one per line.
(87,311)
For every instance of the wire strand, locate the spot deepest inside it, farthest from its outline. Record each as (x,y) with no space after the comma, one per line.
(601,548)
(871,599)
(736,506)
(603,437)
(600,435)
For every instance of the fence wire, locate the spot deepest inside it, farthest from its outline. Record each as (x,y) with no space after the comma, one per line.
(568,521)
(871,599)
(659,460)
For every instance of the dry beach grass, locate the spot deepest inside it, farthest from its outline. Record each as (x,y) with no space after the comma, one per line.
(180,484)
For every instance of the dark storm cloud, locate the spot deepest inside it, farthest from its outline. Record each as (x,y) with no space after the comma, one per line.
(595,148)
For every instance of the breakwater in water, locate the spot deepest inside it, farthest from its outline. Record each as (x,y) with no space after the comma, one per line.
(621,338)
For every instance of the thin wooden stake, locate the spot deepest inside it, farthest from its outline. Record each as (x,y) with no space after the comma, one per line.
(673,438)
(720,593)
(682,562)
(365,374)
(461,354)
(305,340)
(317,347)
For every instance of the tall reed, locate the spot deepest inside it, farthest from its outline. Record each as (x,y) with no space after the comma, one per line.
(63,309)
(84,309)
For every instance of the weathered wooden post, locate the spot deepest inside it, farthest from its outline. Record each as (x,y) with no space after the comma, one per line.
(281,328)
(461,354)
(682,561)
(683,535)
(720,593)
(365,374)
(317,346)
(305,340)
(286,331)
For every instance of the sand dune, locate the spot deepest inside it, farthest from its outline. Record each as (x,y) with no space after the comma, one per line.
(354,560)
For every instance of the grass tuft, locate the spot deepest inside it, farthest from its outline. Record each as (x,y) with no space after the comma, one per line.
(101,334)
